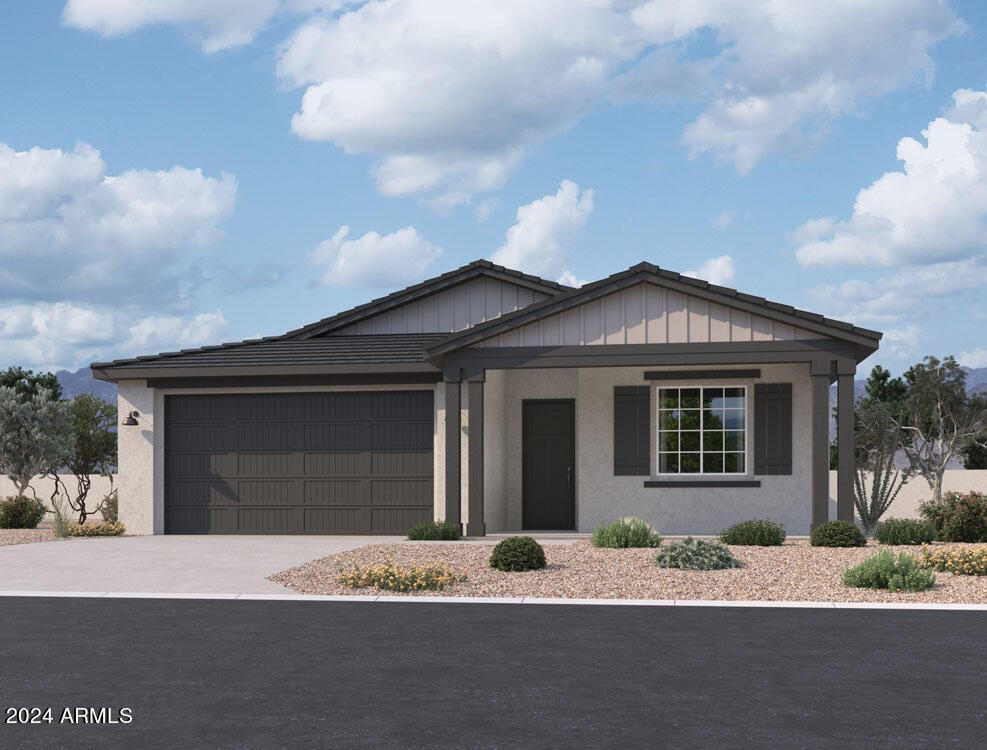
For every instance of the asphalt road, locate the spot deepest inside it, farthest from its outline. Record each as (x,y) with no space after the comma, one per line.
(196,673)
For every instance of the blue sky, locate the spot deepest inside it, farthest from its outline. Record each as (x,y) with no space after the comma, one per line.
(178,173)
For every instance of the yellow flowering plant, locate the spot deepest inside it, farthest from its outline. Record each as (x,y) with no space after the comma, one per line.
(963,561)
(389,576)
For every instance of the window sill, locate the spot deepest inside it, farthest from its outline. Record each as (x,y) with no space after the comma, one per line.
(702,483)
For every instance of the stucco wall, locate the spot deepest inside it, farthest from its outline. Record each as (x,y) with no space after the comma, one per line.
(43,488)
(602,497)
(916,490)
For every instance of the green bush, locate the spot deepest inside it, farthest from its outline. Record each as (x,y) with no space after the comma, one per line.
(837,534)
(696,554)
(884,571)
(756,533)
(110,508)
(390,577)
(959,518)
(444,531)
(904,531)
(103,528)
(21,512)
(517,553)
(625,532)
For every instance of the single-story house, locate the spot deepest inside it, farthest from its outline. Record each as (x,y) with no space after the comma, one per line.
(502,401)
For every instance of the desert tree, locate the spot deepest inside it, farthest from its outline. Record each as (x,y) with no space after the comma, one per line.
(93,450)
(34,435)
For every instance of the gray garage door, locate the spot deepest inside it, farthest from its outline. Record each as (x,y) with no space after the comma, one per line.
(316,463)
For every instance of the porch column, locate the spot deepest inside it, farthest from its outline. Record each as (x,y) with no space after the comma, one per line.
(475,525)
(820,371)
(844,416)
(453,386)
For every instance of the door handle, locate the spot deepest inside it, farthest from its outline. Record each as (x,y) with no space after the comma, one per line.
(569,476)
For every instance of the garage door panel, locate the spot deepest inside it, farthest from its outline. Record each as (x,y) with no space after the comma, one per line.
(337,492)
(199,409)
(397,520)
(298,463)
(400,491)
(268,520)
(338,520)
(401,406)
(399,436)
(201,465)
(355,463)
(353,436)
(196,492)
(418,464)
(268,492)
(204,437)
(267,464)
(269,436)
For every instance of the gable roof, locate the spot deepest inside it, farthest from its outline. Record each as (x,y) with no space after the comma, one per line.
(865,340)
(424,289)
(270,348)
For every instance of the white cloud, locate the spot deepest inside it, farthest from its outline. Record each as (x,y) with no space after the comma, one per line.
(933,210)
(570,279)
(719,271)
(125,234)
(49,336)
(724,219)
(901,343)
(374,259)
(218,24)
(974,358)
(539,241)
(448,97)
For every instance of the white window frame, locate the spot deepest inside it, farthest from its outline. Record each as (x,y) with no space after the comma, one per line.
(747,388)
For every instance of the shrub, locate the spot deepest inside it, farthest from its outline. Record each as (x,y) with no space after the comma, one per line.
(696,554)
(904,531)
(103,528)
(837,534)
(390,577)
(110,509)
(963,562)
(21,512)
(885,571)
(517,553)
(435,531)
(958,518)
(626,532)
(756,532)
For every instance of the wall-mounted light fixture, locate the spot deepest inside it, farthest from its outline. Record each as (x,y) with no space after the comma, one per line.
(131,419)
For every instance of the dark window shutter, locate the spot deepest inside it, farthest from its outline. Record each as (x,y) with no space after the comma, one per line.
(773,428)
(631,430)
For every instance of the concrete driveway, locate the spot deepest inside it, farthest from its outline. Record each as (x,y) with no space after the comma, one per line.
(166,564)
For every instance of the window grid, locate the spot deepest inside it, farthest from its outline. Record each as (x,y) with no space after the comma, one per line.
(702,430)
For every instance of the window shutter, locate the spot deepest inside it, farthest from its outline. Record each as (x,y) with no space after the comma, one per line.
(631,430)
(773,428)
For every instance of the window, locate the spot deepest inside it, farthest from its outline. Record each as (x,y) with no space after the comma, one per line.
(702,430)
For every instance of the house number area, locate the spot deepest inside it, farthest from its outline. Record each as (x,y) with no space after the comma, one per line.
(68,715)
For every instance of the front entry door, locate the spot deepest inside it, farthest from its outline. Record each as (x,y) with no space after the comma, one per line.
(548,495)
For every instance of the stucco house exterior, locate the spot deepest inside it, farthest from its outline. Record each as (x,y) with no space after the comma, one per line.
(501,401)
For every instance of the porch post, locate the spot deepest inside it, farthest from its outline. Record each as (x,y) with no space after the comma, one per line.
(453,385)
(475,525)
(844,412)
(820,371)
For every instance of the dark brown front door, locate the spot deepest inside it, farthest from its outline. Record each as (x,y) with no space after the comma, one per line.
(548,464)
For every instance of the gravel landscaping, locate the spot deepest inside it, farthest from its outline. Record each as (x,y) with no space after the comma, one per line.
(43,533)
(794,571)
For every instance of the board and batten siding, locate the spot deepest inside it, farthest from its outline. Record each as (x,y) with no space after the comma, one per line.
(450,310)
(647,314)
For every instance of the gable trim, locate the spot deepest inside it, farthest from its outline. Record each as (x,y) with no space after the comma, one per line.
(643,273)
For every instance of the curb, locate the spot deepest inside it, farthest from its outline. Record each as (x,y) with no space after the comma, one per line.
(375,598)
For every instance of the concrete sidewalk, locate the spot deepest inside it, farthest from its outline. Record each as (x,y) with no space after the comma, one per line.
(167,564)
